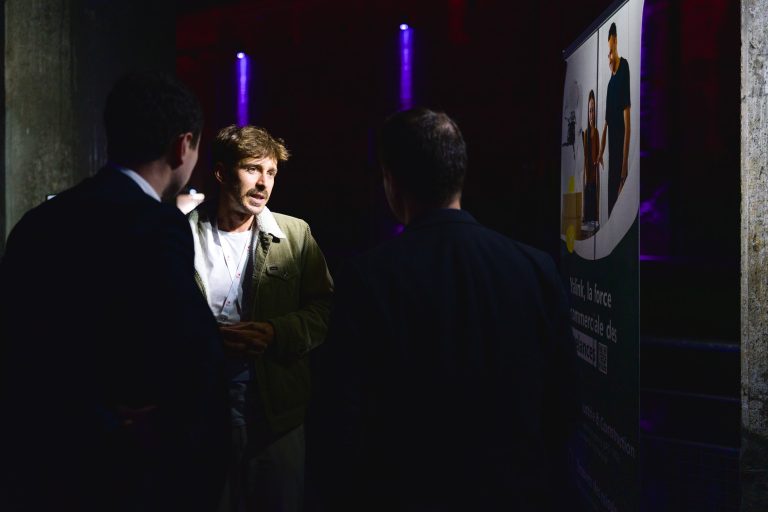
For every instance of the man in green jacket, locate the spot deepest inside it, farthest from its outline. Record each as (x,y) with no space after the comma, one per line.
(268,285)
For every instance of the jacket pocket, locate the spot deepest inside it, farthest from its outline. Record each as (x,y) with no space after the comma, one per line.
(280,290)
(281,272)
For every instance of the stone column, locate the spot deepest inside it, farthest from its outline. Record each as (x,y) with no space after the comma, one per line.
(61,58)
(754,254)
(39,116)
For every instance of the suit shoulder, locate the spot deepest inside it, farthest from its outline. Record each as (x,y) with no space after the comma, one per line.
(538,257)
(172,214)
(531,251)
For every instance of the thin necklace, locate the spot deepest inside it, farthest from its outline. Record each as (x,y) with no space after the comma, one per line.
(234,272)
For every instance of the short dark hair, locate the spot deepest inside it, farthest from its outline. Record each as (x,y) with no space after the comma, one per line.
(612,31)
(233,143)
(425,152)
(144,113)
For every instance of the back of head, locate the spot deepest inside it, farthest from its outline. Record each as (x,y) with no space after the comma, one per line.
(425,153)
(234,143)
(144,113)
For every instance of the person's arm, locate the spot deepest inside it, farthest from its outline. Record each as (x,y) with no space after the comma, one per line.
(335,416)
(585,170)
(596,170)
(625,158)
(185,350)
(584,135)
(602,143)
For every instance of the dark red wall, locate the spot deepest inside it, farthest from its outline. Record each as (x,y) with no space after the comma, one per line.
(325,74)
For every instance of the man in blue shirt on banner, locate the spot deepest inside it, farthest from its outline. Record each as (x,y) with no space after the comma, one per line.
(617,120)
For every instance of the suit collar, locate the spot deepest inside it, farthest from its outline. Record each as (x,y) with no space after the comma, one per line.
(440,216)
(119,183)
(140,181)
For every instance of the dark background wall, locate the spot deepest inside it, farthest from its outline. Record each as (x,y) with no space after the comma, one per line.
(325,74)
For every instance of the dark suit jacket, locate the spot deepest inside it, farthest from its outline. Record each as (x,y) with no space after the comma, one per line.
(100,315)
(442,385)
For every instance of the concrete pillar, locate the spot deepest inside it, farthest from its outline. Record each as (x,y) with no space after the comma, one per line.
(61,58)
(754,254)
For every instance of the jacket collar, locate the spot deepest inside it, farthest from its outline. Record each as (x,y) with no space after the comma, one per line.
(268,224)
(265,221)
(440,216)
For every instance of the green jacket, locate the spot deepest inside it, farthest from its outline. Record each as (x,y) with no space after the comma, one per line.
(291,289)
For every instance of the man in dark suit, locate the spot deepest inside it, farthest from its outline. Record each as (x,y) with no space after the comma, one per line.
(112,391)
(441,385)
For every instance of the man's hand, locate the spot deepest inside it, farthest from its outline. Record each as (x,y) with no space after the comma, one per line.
(246,339)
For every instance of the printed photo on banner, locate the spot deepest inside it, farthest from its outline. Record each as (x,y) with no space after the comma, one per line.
(600,148)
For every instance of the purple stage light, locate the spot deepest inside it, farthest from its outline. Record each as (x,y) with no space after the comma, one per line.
(406,93)
(242,92)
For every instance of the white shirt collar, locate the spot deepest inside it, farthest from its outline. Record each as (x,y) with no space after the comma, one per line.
(141,182)
(267,224)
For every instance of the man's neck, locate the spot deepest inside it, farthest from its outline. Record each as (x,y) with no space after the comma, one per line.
(616,64)
(413,210)
(232,221)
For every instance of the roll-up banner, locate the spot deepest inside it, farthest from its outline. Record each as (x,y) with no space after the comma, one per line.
(600,192)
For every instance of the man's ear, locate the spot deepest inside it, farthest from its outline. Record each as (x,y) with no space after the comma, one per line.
(218,172)
(180,150)
(390,182)
(394,199)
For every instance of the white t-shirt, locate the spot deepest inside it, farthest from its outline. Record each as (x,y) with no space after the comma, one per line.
(225,275)
(228,255)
